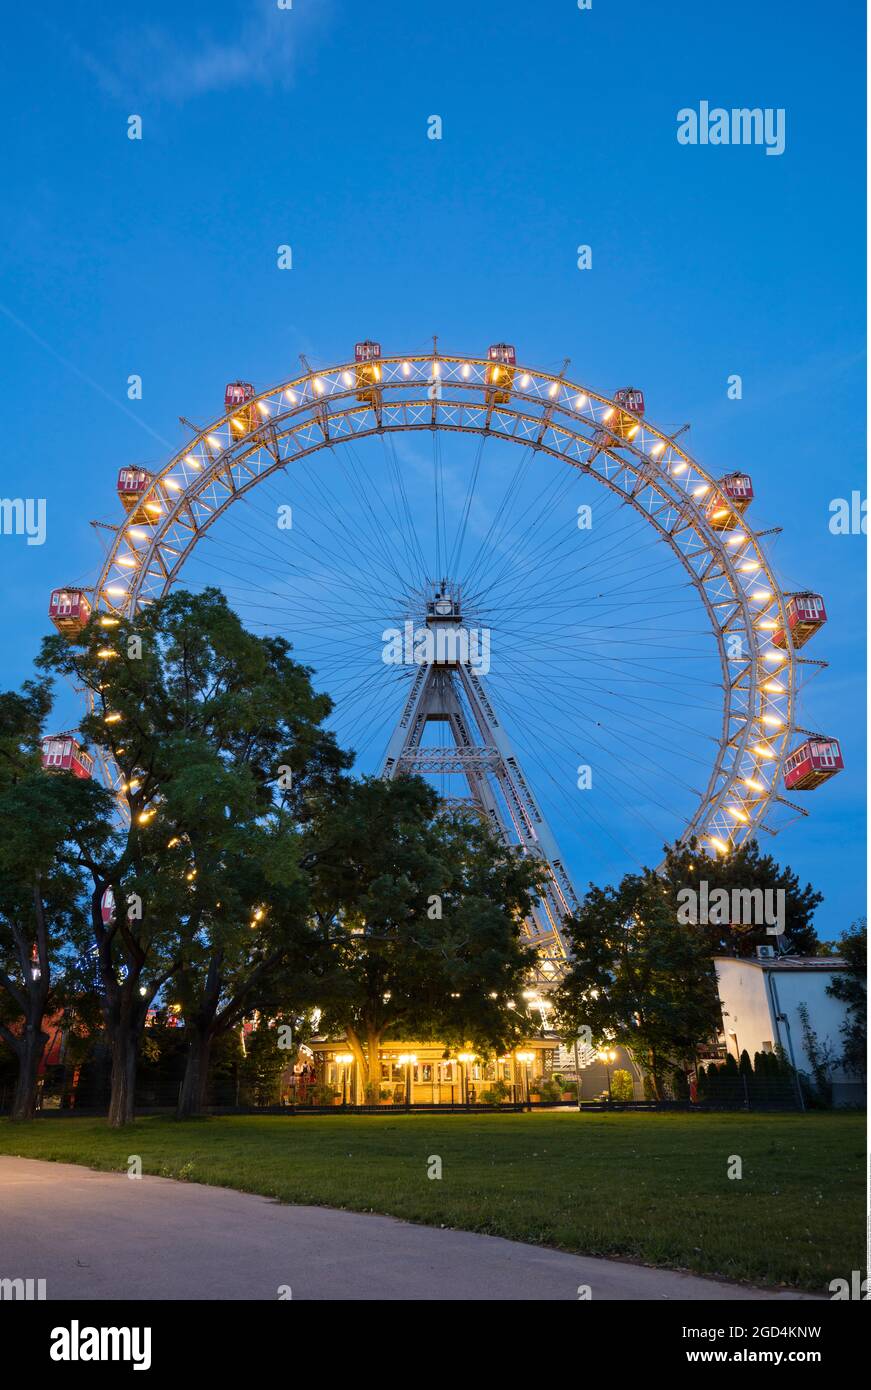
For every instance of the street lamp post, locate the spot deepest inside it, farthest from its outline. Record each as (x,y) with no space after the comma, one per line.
(464,1059)
(524,1058)
(408,1060)
(345,1060)
(608,1056)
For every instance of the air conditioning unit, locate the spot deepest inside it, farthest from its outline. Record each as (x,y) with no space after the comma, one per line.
(766,952)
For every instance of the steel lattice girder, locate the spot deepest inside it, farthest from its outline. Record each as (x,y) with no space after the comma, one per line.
(650,472)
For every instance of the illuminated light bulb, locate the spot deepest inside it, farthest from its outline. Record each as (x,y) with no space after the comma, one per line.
(109,622)
(136,533)
(318,384)
(774,688)
(127,562)
(632,433)
(263,407)
(751,567)
(436,369)
(775,658)
(721,511)
(112,718)
(291,396)
(406,369)
(719,844)
(657,449)
(772,721)
(347,378)
(608,413)
(172,485)
(581,402)
(214,441)
(767,625)
(736,814)
(701,490)
(106,653)
(466,369)
(171,844)
(678,469)
(524,380)
(753,784)
(760,595)
(378,372)
(154,508)
(554,387)
(736,540)
(237,425)
(762,751)
(145,816)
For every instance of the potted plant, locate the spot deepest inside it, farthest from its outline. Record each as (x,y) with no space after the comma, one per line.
(496,1094)
(385,1096)
(324,1095)
(535,1091)
(549,1092)
(568,1089)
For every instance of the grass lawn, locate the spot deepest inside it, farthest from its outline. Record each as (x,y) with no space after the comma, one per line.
(651,1187)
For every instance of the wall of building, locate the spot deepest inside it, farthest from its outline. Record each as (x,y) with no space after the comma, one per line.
(749,1008)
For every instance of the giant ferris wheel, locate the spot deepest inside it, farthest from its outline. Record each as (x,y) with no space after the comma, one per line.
(639,642)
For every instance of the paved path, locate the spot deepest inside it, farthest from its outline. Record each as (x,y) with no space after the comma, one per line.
(103,1235)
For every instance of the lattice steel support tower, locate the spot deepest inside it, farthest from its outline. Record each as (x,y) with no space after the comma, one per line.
(448,688)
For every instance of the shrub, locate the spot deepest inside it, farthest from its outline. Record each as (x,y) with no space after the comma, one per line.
(621,1085)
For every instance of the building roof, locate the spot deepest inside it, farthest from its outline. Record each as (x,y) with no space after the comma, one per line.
(789,963)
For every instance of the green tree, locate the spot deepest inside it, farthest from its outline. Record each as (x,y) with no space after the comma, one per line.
(638,978)
(209,727)
(44,907)
(419,911)
(745,869)
(851,987)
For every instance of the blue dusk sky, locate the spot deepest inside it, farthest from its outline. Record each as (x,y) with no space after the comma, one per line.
(307,127)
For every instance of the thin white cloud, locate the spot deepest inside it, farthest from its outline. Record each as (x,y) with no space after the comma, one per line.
(178,64)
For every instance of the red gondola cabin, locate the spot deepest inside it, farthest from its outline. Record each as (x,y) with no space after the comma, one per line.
(499,375)
(245,416)
(732,497)
(367,370)
(805,614)
(133,483)
(63,753)
(69,610)
(814,762)
(619,424)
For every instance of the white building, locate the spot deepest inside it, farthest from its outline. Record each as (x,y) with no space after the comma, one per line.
(761,997)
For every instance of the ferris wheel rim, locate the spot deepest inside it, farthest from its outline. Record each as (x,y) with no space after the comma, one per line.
(654,468)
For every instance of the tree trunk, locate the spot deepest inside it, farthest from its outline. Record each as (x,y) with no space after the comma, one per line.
(192,1097)
(30,1049)
(124,1052)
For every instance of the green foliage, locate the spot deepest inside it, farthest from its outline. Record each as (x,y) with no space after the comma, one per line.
(639,977)
(851,988)
(418,911)
(262,1065)
(621,1085)
(747,867)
